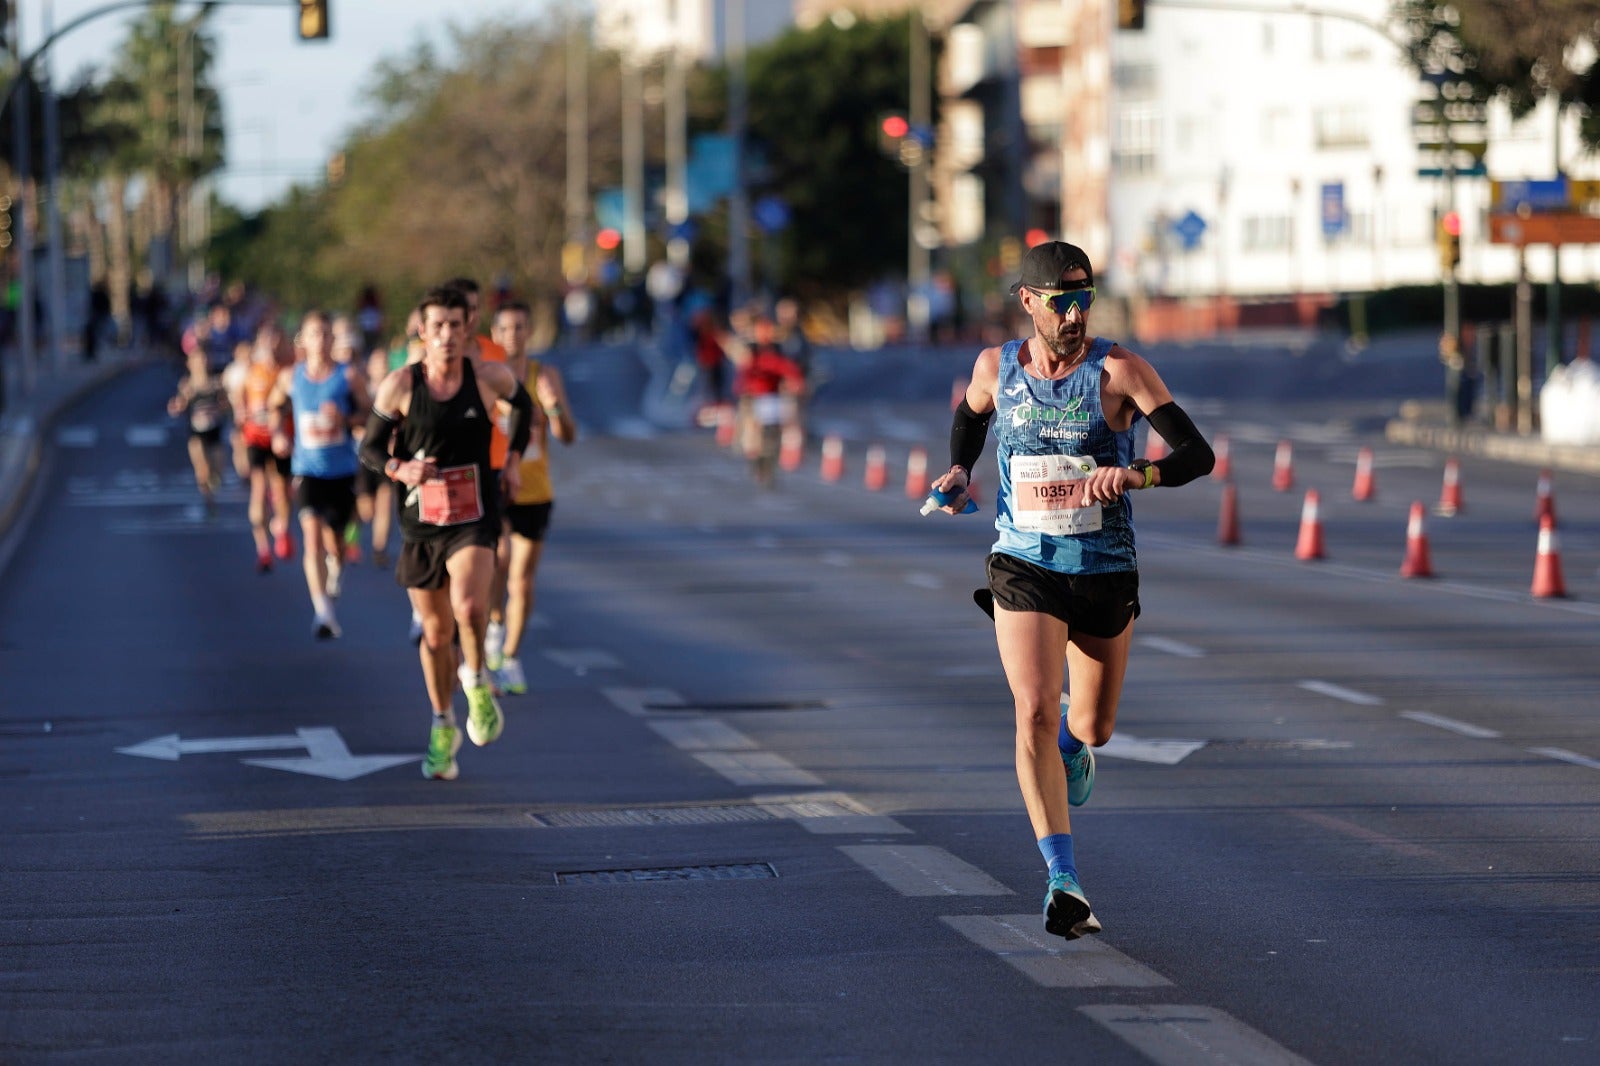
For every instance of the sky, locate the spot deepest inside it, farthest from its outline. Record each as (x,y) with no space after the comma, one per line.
(287,103)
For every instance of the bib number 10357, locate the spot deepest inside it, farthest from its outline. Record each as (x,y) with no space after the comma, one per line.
(1048,494)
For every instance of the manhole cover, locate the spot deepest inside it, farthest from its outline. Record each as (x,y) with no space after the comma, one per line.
(745,871)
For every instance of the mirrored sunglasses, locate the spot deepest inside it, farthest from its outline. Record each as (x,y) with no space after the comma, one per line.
(1060,302)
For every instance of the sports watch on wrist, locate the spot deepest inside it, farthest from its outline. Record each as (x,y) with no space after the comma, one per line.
(1145,467)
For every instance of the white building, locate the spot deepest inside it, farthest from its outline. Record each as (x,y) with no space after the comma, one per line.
(700,27)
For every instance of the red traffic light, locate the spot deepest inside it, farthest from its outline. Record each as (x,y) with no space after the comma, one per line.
(1451,223)
(896,126)
(608,239)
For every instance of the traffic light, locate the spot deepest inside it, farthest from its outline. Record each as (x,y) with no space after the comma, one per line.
(313,20)
(608,239)
(893,128)
(1130,14)
(1449,236)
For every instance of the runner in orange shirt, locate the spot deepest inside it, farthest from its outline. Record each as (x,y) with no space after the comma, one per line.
(269,472)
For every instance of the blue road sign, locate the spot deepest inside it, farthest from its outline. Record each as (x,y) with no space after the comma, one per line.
(1476,170)
(1334,217)
(1549,195)
(1190,228)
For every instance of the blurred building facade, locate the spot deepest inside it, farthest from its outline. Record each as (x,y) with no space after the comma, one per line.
(698,27)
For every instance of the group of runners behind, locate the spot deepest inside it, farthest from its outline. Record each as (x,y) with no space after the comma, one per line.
(449,427)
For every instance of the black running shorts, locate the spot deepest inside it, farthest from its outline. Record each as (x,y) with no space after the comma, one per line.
(332,499)
(260,457)
(422,562)
(1097,605)
(529,520)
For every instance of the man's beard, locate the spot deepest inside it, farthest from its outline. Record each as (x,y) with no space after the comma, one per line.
(1065,348)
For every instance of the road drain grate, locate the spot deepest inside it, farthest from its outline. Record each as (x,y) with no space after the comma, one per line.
(738,814)
(745,871)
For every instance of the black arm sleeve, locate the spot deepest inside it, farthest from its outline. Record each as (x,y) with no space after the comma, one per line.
(968,431)
(522,419)
(375,444)
(1191,456)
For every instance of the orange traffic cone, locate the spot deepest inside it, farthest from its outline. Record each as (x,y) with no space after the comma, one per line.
(1223,469)
(1228,519)
(877,471)
(1547,583)
(1283,467)
(1155,448)
(1450,495)
(832,458)
(725,425)
(1417,563)
(792,448)
(1545,505)
(1364,487)
(1310,544)
(917,474)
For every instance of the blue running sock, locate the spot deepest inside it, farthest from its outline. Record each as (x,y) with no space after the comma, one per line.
(1069,744)
(1057,851)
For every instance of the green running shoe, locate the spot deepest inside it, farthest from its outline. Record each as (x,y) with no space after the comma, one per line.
(440,762)
(1066,909)
(484,720)
(1080,775)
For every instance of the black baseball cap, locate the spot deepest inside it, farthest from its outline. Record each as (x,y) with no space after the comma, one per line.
(1045,266)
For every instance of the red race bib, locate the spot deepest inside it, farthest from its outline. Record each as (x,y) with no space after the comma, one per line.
(451,499)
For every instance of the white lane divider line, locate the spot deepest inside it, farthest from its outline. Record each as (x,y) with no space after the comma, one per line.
(702,734)
(641,702)
(756,768)
(1567,756)
(1050,961)
(833,812)
(837,559)
(1339,692)
(1466,729)
(581,660)
(1174,1035)
(1172,647)
(924,580)
(77,436)
(923,870)
(145,436)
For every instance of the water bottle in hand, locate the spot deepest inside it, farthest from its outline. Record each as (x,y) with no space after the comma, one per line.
(937,499)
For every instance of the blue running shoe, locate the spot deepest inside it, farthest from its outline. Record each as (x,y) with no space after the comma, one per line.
(1066,910)
(1080,775)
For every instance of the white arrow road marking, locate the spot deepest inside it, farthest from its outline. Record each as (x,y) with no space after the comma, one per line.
(327,756)
(326,753)
(171,746)
(1165,752)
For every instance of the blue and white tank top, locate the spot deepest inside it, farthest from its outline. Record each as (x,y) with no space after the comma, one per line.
(1050,435)
(323,446)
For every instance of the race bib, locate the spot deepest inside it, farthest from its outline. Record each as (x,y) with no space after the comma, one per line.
(1048,495)
(322,428)
(451,499)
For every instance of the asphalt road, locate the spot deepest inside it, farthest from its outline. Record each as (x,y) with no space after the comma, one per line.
(759,803)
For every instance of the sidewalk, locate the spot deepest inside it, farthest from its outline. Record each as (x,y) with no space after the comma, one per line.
(1423,424)
(27,422)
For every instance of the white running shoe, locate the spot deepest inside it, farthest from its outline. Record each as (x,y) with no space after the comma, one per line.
(494,644)
(511,679)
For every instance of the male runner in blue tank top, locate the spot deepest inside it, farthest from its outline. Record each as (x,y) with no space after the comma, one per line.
(439,414)
(328,400)
(1063,575)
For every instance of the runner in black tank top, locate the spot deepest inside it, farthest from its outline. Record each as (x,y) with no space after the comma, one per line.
(452,434)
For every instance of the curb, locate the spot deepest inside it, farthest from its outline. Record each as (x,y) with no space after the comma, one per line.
(18,472)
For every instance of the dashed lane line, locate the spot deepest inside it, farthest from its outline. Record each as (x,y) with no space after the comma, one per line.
(1567,756)
(1050,961)
(923,870)
(1182,1035)
(1466,729)
(756,768)
(702,734)
(581,660)
(1339,692)
(1172,647)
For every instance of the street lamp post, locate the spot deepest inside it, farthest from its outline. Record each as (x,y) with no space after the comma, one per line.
(56,302)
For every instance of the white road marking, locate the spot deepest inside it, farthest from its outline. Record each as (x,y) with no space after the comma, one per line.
(924,580)
(1048,960)
(581,660)
(702,734)
(77,436)
(145,436)
(1165,752)
(923,870)
(1338,692)
(326,753)
(1172,647)
(833,812)
(641,702)
(837,559)
(1466,729)
(756,768)
(1172,1035)
(1567,756)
